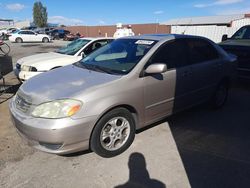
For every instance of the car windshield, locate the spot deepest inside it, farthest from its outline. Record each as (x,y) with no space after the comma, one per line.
(73,47)
(16,31)
(242,33)
(117,57)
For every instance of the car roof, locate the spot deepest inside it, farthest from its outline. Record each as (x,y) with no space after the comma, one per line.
(162,37)
(96,38)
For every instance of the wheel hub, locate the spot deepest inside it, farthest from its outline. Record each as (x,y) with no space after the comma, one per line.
(115,133)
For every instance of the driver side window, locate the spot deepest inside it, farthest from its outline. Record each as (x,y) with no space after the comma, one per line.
(173,54)
(94,46)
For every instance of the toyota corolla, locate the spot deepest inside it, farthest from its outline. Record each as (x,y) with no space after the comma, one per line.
(100,102)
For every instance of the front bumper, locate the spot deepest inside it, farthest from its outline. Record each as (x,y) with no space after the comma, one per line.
(25,75)
(58,136)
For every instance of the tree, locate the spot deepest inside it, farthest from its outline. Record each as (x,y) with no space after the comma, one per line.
(40,15)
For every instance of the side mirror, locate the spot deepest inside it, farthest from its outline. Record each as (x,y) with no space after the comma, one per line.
(83,54)
(157,68)
(224,37)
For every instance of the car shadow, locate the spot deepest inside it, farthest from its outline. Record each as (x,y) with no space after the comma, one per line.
(8,91)
(76,154)
(6,64)
(214,145)
(138,174)
(28,45)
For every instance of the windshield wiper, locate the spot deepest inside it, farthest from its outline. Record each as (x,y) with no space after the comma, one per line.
(97,68)
(103,69)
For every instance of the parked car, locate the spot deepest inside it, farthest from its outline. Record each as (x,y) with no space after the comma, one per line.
(29,28)
(58,33)
(28,36)
(44,30)
(132,82)
(71,36)
(6,32)
(239,44)
(33,65)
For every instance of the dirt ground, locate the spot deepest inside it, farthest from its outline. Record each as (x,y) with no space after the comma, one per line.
(12,147)
(198,148)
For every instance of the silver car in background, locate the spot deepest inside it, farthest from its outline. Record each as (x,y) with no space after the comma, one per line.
(100,102)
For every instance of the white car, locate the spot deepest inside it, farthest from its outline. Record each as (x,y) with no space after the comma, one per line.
(28,36)
(30,66)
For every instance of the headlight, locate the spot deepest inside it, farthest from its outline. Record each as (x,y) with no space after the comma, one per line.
(57,109)
(28,68)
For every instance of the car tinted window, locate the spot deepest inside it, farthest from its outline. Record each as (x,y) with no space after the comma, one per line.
(242,33)
(173,54)
(200,51)
(30,33)
(26,33)
(95,45)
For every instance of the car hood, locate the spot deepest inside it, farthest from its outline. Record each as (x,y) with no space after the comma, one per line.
(235,43)
(66,82)
(36,60)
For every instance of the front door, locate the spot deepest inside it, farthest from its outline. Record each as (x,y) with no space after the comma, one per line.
(160,89)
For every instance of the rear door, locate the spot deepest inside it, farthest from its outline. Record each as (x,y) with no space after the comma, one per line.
(207,66)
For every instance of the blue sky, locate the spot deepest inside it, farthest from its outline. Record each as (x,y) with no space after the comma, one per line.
(107,12)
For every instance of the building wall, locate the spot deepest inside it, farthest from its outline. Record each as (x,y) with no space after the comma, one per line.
(212,32)
(22,24)
(95,31)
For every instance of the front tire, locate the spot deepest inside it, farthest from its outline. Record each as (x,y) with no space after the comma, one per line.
(113,133)
(45,40)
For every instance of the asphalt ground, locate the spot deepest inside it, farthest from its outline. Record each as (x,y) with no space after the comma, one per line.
(200,147)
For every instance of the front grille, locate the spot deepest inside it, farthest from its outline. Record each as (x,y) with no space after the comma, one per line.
(22,104)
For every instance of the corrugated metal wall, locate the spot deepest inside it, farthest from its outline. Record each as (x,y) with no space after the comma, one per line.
(212,32)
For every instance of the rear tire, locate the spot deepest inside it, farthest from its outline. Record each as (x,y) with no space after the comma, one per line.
(45,40)
(220,96)
(113,133)
(19,40)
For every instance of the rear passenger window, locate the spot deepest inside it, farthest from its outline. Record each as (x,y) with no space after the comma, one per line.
(173,54)
(200,51)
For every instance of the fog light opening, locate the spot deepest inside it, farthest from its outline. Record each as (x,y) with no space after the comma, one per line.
(51,146)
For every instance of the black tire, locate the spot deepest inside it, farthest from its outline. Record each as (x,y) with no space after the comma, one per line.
(97,143)
(19,40)
(45,40)
(220,96)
